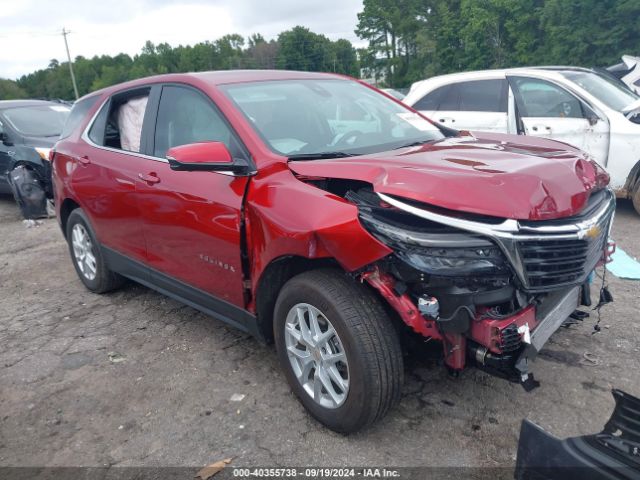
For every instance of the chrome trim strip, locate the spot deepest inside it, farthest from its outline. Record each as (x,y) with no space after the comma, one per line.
(85,137)
(504,229)
(508,233)
(510,228)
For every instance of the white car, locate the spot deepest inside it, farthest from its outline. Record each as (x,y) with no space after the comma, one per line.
(628,72)
(574,105)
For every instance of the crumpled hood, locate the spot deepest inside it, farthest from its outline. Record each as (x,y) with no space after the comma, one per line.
(504,176)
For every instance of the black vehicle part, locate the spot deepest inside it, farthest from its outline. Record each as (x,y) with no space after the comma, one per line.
(612,454)
(29,192)
(510,339)
(585,297)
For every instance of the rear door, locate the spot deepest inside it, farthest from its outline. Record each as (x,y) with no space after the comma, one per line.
(479,105)
(545,109)
(192,220)
(105,168)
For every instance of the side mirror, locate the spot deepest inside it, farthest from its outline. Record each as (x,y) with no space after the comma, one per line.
(203,157)
(593,119)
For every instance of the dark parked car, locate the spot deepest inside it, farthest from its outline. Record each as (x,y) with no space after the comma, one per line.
(28,130)
(311,210)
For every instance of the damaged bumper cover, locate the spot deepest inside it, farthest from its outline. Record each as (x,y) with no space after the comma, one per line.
(612,454)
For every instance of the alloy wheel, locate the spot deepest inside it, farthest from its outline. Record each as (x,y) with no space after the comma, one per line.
(83,251)
(317,355)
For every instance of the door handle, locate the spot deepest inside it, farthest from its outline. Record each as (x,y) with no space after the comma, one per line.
(546,128)
(150,178)
(444,120)
(84,160)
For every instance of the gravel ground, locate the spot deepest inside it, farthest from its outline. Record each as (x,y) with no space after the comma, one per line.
(133,378)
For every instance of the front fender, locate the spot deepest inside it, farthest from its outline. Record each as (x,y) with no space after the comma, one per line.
(287,217)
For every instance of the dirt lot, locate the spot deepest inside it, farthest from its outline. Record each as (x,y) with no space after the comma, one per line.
(166,400)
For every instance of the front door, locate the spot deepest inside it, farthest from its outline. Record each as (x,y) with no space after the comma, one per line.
(192,220)
(547,110)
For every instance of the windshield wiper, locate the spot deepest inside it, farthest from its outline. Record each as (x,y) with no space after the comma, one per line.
(321,155)
(414,144)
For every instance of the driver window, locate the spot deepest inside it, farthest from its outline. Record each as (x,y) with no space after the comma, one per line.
(186,116)
(541,99)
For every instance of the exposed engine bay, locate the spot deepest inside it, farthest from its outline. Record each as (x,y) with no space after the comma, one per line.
(491,290)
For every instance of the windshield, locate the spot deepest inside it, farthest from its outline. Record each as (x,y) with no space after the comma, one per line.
(331,117)
(37,121)
(606,90)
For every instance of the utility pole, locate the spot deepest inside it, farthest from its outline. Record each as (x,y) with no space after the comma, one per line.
(73,77)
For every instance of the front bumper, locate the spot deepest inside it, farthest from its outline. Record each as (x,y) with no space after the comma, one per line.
(611,454)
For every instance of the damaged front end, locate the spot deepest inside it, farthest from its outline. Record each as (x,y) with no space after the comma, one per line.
(491,290)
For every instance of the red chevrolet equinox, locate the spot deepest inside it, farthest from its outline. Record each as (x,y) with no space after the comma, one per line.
(316,212)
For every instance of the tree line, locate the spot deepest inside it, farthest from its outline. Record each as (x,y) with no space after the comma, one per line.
(407,40)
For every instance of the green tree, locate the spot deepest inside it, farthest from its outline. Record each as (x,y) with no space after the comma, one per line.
(301,49)
(9,90)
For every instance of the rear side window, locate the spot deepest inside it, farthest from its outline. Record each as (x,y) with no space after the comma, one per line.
(483,96)
(450,102)
(432,100)
(78,113)
(472,96)
(119,123)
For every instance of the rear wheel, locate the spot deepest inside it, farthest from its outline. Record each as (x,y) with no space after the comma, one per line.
(87,257)
(636,198)
(338,348)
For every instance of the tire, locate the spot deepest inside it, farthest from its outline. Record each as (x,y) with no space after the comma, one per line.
(636,198)
(28,192)
(94,273)
(364,335)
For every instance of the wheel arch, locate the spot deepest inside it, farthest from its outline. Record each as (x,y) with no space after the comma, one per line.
(633,180)
(273,278)
(67,206)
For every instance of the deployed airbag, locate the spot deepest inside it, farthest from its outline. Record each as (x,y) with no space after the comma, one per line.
(130,117)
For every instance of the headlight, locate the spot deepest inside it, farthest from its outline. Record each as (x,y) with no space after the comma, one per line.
(443,252)
(43,152)
(455,262)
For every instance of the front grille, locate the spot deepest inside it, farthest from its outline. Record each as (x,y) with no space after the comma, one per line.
(553,262)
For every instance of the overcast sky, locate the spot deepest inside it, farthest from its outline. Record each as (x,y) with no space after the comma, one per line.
(30,29)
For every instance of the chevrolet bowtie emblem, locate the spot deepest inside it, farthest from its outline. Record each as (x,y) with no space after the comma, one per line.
(592,232)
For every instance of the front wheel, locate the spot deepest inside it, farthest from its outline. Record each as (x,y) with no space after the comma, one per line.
(28,192)
(338,349)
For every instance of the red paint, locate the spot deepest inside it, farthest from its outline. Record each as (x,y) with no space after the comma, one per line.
(402,304)
(486,331)
(455,350)
(498,175)
(204,152)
